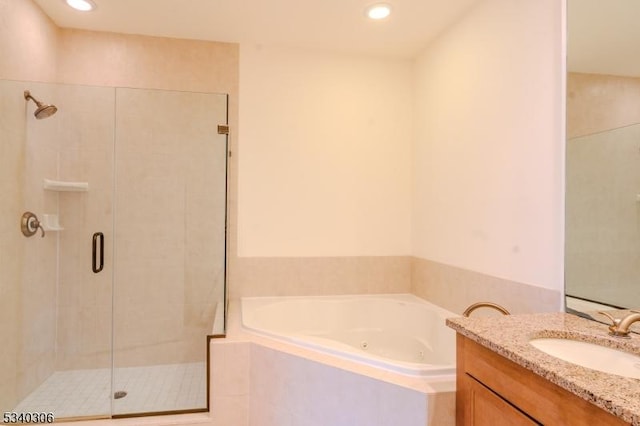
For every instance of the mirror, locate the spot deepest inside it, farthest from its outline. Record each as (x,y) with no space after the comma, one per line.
(602,248)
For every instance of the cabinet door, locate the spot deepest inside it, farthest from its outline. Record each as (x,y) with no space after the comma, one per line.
(489,409)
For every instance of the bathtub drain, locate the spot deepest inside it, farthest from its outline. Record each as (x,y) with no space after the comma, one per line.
(364,345)
(119,394)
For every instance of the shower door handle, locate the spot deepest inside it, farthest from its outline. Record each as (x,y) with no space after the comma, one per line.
(94,259)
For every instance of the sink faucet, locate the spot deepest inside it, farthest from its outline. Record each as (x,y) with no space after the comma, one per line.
(491,305)
(620,326)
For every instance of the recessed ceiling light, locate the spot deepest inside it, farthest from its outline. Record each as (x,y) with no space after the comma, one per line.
(82,5)
(379,11)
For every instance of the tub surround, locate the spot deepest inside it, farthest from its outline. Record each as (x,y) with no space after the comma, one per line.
(316,276)
(261,381)
(509,337)
(454,288)
(450,287)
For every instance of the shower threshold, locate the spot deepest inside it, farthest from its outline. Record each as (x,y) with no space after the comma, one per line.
(149,389)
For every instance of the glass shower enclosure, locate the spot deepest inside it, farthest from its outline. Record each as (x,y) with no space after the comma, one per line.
(602,212)
(106,307)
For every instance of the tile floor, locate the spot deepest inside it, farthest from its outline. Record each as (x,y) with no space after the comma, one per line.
(79,393)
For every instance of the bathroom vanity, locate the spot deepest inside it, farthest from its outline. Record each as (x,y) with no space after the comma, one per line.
(503,380)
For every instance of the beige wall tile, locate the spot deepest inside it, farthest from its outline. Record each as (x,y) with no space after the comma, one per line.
(287,389)
(126,60)
(229,382)
(85,132)
(317,276)
(230,410)
(597,102)
(33,150)
(454,289)
(170,215)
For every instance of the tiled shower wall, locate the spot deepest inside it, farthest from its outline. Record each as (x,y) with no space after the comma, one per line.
(170,222)
(118,60)
(85,119)
(27,312)
(29,265)
(597,102)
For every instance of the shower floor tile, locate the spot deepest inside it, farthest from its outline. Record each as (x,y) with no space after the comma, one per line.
(79,393)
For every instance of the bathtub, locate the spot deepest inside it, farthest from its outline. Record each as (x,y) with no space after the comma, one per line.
(397,332)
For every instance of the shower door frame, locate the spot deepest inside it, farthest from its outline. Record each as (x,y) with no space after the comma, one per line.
(109,239)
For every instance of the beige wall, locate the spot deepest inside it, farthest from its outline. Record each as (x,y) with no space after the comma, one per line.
(485,168)
(324,177)
(28,42)
(488,153)
(324,160)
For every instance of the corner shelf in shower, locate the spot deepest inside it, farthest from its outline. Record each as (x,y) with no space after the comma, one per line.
(65,186)
(50,222)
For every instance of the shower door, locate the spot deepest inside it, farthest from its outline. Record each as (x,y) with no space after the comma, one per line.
(169,246)
(108,313)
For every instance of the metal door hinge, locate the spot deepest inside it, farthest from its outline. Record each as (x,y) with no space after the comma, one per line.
(223,129)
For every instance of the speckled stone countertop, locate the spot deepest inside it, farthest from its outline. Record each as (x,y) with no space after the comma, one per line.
(509,336)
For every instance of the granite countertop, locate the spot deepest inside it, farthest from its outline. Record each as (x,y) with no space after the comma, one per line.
(509,336)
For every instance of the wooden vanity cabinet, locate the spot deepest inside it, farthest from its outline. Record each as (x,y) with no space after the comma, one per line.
(494,391)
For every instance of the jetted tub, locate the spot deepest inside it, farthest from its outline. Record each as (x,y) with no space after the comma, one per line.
(398,332)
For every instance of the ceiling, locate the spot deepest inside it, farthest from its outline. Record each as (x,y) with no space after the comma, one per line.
(337,25)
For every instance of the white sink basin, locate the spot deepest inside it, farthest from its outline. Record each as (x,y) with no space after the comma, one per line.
(591,355)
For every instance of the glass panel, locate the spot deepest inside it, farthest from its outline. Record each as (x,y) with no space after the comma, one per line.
(170,246)
(167,250)
(602,232)
(56,313)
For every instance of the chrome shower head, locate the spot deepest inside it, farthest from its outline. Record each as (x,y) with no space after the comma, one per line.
(42,110)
